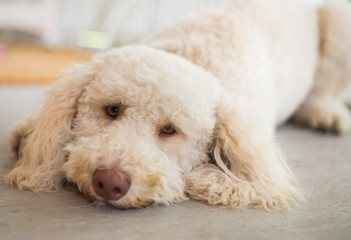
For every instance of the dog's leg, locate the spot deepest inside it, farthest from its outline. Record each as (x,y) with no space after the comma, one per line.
(324,108)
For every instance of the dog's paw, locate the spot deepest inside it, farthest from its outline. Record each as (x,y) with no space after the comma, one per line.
(209,183)
(324,114)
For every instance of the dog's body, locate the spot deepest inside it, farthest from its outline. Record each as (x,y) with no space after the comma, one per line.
(266,54)
(267,63)
(155,126)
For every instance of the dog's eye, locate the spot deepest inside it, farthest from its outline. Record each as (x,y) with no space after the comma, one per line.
(168,130)
(112,111)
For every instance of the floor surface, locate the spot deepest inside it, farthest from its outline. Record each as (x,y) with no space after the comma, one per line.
(322,163)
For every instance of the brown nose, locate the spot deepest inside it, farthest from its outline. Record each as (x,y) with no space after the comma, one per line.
(109,185)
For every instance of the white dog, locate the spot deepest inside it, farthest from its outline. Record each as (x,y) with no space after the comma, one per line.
(196,117)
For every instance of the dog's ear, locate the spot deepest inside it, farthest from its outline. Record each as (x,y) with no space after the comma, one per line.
(248,169)
(41,138)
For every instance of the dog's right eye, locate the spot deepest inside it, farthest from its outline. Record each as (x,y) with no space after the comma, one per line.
(112,111)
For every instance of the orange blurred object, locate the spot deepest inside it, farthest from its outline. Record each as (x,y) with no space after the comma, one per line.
(31,65)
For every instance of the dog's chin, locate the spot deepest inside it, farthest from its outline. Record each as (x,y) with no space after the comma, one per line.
(130,204)
(124,203)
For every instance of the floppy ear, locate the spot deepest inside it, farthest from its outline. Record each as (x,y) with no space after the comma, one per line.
(248,169)
(41,137)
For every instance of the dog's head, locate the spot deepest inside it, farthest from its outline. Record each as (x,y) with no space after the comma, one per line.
(130,127)
(144,120)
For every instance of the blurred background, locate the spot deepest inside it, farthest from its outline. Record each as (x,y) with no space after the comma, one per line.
(40,37)
(90,23)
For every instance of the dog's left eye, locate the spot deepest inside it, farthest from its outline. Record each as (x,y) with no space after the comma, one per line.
(112,111)
(168,130)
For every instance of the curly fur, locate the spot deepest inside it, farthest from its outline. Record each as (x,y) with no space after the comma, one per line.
(224,79)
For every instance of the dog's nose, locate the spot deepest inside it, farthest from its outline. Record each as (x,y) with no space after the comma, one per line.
(109,185)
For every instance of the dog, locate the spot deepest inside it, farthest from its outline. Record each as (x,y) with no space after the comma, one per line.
(191,111)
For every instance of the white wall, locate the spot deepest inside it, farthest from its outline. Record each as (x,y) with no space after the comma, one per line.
(125,19)
(63,21)
(39,17)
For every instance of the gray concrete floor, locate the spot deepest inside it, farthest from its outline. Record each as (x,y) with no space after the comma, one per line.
(321,161)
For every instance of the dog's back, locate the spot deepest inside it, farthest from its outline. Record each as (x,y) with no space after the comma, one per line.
(264,53)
